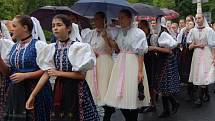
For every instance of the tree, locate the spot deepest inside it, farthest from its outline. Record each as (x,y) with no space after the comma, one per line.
(164,3)
(10,8)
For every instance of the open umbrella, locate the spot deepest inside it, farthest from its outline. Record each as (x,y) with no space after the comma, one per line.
(147,10)
(110,7)
(45,15)
(170,14)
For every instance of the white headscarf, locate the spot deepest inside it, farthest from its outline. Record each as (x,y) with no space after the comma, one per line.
(205,24)
(161,21)
(5,32)
(37,32)
(199,11)
(75,35)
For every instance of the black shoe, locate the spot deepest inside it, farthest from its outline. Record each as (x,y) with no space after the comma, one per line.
(150,109)
(175,108)
(198,103)
(206,98)
(206,95)
(166,110)
(175,104)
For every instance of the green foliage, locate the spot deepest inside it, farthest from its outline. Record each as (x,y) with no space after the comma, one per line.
(10,8)
(164,3)
(48,35)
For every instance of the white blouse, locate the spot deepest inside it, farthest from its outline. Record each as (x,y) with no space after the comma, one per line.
(204,36)
(133,40)
(166,40)
(5,48)
(80,55)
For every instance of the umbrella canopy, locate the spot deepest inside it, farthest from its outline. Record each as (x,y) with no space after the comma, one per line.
(170,14)
(88,8)
(147,10)
(45,15)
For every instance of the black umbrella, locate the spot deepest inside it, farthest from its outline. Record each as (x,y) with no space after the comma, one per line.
(45,15)
(147,10)
(110,7)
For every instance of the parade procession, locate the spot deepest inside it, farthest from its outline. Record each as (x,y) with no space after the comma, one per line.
(107,60)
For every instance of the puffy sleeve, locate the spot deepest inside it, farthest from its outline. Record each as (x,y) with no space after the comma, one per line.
(139,42)
(211,38)
(81,56)
(167,41)
(86,35)
(45,55)
(190,36)
(5,48)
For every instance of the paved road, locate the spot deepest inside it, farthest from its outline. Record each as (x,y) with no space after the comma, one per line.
(187,111)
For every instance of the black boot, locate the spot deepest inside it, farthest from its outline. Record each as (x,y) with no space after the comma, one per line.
(198,102)
(190,92)
(166,111)
(108,113)
(206,97)
(175,104)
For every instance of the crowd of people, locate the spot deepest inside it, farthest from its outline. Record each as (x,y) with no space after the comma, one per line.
(119,66)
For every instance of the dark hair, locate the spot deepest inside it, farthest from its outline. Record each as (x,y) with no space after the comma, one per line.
(163,29)
(65,19)
(127,13)
(102,15)
(146,24)
(25,20)
(191,17)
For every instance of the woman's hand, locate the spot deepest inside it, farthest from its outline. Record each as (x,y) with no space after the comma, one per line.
(104,35)
(53,72)
(30,103)
(140,76)
(201,46)
(213,62)
(18,77)
(152,48)
(191,46)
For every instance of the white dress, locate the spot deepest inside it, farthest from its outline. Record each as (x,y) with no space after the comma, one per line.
(202,69)
(123,87)
(98,78)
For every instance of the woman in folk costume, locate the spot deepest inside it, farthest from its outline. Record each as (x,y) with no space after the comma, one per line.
(168,74)
(20,64)
(98,78)
(68,60)
(150,64)
(129,70)
(202,68)
(185,55)
(4,82)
